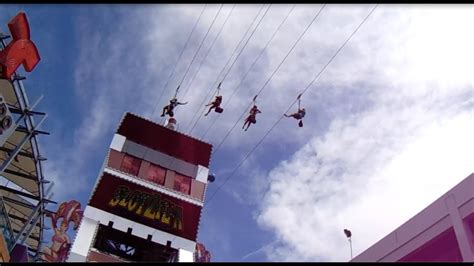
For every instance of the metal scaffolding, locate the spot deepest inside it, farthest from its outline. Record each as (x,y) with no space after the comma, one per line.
(21,164)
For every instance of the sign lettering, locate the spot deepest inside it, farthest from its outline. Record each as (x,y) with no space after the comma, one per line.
(146,206)
(149,206)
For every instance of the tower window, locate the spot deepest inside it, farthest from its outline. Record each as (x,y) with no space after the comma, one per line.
(182,183)
(130,165)
(156,174)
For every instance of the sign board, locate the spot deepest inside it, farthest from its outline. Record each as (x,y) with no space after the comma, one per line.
(146,206)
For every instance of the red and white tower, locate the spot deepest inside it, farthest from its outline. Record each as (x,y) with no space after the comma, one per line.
(147,201)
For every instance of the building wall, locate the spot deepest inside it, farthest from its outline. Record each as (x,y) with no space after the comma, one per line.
(445,225)
(84,239)
(443,247)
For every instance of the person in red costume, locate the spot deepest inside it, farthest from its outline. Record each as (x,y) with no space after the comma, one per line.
(252,118)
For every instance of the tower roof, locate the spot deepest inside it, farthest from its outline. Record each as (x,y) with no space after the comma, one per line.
(160,138)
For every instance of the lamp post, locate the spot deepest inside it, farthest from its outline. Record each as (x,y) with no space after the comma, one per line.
(349,235)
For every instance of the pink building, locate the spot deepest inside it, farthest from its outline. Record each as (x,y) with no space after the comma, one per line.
(443,231)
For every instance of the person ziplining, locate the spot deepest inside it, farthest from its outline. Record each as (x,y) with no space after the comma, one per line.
(168,109)
(252,118)
(300,114)
(216,103)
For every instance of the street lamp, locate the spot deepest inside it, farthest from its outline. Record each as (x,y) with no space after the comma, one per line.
(349,235)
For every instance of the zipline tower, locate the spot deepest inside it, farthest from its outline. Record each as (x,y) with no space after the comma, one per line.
(147,201)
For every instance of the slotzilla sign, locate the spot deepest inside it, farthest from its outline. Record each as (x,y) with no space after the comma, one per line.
(146,206)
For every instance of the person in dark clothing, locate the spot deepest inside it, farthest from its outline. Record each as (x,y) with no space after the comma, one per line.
(168,109)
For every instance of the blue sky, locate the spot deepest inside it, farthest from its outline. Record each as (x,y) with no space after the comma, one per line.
(391,115)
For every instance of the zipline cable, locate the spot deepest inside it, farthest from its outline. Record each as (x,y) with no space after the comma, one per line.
(208,50)
(200,45)
(177,61)
(251,67)
(230,68)
(228,61)
(291,106)
(173,160)
(271,76)
(194,57)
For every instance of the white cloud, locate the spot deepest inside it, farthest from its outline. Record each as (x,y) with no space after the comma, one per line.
(380,166)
